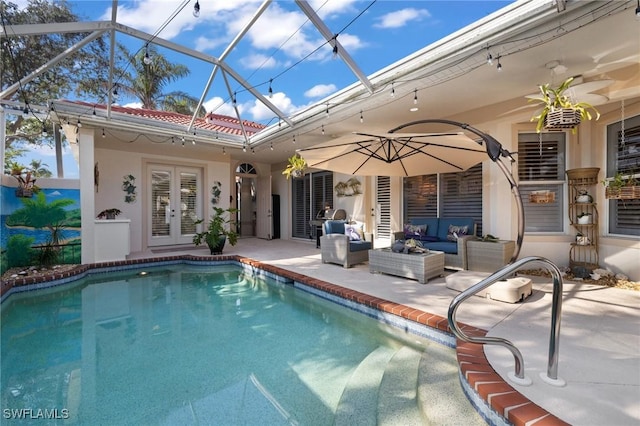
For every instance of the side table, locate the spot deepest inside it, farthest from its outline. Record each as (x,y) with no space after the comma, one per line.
(487,256)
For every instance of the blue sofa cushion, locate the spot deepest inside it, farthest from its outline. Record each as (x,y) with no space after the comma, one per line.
(360,245)
(334,227)
(427,239)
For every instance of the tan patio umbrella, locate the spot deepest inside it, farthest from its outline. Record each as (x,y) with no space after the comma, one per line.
(396,154)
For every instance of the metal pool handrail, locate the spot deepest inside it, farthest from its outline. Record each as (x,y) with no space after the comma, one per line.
(554,337)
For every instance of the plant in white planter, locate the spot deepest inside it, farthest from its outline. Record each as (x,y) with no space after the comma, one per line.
(584,197)
(584,218)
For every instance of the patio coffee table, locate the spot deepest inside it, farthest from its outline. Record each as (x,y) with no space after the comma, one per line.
(417,266)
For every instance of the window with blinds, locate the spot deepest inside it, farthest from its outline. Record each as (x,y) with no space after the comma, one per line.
(541,166)
(383,207)
(309,196)
(459,195)
(623,156)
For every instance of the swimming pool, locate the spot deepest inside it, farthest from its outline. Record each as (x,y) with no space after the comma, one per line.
(184,344)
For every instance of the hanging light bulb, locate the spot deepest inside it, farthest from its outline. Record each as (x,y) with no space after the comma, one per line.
(94,110)
(173,141)
(270,88)
(253,151)
(224,151)
(44,130)
(294,138)
(196,9)
(79,123)
(415,96)
(327,111)
(335,46)
(393,91)
(271,146)
(25,111)
(244,148)
(489,58)
(233,99)
(361,117)
(104,136)
(115,91)
(147,59)
(499,66)
(322,129)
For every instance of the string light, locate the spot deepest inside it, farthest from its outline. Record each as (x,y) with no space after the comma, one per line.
(44,130)
(271,146)
(294,138)
(233,99)
(361,117)
(335,46)
(415,96)
(499,66)
(173,141)
(393,91)
(322,129)
(196,9)
(115,91)
(25,111)
(104,136)
(244,148)
(327,111)
(224,151)
(489,58)
(270,88)
(79,123)
(94,110)
(147,59)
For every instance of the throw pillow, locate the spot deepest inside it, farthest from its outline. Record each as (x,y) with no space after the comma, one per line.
(351,231)
(456,231)
(414,231)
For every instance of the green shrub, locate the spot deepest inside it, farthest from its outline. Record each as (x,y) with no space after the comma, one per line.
(19,251)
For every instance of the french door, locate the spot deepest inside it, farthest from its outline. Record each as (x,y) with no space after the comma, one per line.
(174,204)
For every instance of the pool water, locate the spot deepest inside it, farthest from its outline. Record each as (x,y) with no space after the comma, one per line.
(182,345)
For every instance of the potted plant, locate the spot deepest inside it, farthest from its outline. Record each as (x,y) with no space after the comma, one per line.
(584,218)
(558,110)
(584,196)
(108,214)
(26,181)
(296,167)
(217,231)
(623,187)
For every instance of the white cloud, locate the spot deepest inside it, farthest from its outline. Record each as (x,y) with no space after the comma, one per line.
(258,61)
(401,17)
(320,90)
(133,105)
(260,111)
(217,105)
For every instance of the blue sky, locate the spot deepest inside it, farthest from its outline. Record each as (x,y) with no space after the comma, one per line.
(283,47)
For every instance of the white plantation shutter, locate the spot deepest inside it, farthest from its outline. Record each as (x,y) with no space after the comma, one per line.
(161,203)
(309,194)
(383,207)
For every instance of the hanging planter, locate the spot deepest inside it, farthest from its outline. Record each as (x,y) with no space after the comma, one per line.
(558,110)
(296,167)
(621,188)
(564,118)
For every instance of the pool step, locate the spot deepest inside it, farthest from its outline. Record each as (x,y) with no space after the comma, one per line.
(397,396)
(359,401)
(440,396)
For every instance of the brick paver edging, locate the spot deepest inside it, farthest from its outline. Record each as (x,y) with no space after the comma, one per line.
(474,366)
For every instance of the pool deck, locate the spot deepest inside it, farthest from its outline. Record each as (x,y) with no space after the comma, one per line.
(599,350)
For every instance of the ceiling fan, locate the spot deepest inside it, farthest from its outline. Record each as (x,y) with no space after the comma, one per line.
(583,92)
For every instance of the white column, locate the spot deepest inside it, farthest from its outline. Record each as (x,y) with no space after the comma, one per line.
(86,150)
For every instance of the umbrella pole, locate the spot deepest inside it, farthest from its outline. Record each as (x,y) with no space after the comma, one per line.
(495,153)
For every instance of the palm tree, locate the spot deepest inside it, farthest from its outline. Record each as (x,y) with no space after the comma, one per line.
(39,170)
(150,80)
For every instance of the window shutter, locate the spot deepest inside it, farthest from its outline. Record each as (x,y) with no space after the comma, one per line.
(383,207)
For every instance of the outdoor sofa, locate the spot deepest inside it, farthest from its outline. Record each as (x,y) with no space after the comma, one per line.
(448,234)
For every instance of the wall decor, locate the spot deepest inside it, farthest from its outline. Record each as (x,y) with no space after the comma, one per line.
(129,189)
(348,188)
(215,192)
